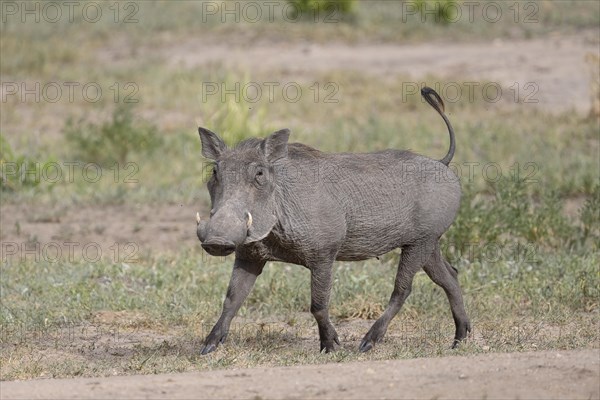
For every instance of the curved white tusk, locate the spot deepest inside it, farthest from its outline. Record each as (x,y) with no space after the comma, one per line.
(198,218)
(249,223)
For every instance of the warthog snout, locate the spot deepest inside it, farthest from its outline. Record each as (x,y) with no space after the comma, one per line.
(218,247)
(223,232)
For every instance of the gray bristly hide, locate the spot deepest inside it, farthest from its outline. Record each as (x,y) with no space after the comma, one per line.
(277,201)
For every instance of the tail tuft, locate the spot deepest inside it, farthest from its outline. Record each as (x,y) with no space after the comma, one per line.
(433,99)
(437,103)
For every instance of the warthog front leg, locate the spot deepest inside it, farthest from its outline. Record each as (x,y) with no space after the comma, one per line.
(320,288)
(242,280)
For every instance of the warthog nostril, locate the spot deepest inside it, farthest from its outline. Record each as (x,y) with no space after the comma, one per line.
(218,247)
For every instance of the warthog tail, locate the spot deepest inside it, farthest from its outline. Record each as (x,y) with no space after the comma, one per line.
(437,103)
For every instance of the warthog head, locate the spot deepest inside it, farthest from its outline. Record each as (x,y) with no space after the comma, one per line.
(241,191)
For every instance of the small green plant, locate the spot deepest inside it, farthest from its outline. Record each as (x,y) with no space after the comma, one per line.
(308,8)
(18,171)
(114,141)
(236,119)
(590,218)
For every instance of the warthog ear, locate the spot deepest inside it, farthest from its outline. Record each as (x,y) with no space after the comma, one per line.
(212,145)
(276,146)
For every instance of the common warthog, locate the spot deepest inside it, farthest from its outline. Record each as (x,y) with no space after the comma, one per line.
(274,201)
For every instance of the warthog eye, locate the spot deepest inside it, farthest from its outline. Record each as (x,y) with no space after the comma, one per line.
(259,176)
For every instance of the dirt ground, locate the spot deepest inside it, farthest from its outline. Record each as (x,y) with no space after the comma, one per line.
(159,228)
(539,375)
(556,64)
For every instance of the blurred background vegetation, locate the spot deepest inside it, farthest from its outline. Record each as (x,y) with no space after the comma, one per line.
(133,70)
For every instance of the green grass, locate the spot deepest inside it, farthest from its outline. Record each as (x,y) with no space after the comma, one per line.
(552,301)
